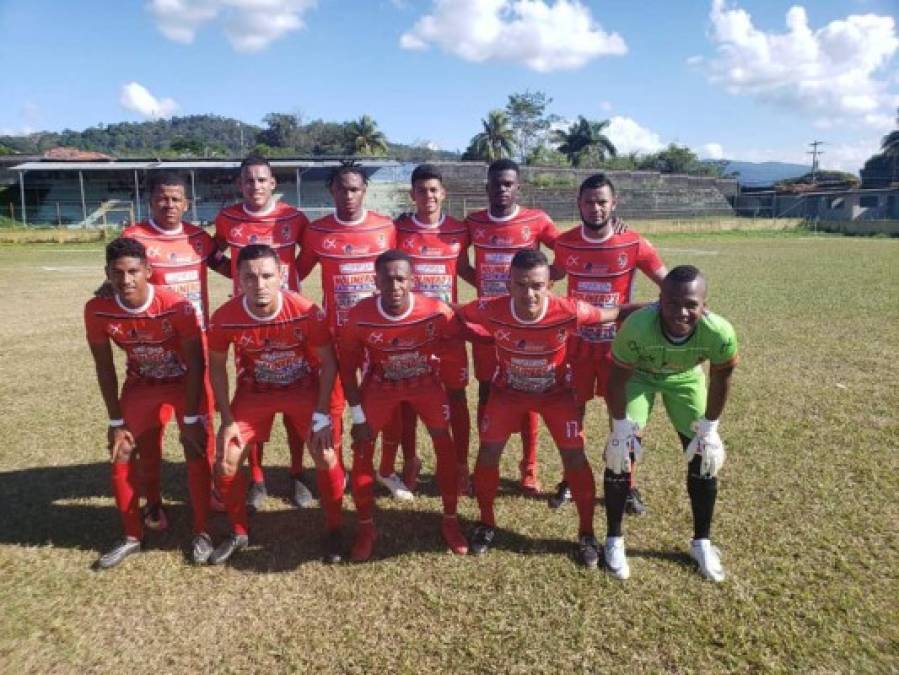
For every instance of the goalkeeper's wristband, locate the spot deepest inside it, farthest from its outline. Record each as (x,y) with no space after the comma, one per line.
(357,414)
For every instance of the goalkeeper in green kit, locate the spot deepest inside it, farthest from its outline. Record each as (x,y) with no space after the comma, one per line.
(660,349)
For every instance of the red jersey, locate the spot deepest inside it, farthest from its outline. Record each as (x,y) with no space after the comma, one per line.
(497,240)
(273,352)
(179,260)
(396,348)
(531,354)
(150,335)
(347,253)
(602,273)
(434,250)
(280,226)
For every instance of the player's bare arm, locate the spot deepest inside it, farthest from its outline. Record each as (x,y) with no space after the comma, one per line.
(193,437)
(464,269)
(228,433)
(119,438)
(320,438)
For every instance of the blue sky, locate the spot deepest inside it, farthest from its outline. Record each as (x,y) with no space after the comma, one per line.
(743,79)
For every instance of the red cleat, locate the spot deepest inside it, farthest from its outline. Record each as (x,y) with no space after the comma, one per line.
(530,486)
(411,472)
(453,536)
(364,543)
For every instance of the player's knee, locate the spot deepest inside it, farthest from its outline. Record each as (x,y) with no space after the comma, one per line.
(489,454)
(228,464)
(124,455)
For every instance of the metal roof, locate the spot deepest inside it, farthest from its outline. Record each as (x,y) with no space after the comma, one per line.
(148,165)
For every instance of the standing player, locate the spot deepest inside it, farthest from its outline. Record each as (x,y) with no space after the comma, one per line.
(531,328)
(262,219)
(346,244)
(660,349)
(601,261)
(281,341)
(435,242)
(396,335)
(497,234)
(160,333)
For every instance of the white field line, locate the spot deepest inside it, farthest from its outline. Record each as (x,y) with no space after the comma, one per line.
(691,251)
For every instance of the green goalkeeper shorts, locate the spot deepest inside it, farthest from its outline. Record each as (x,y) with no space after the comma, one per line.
(683,394)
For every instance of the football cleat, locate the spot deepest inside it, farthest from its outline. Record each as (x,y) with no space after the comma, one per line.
(256,496)
(481,539)
(634,503)
(561,497)
(302,497)
(588,551)
(231,545)
(122,549)
(616,560)
(364,544)
(200,549)
(453,536)
(332,547)
(155,518)
(708,558)
(397,487)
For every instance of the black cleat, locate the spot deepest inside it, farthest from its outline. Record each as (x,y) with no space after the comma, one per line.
(588,551)
(122,549)
(333,547)
(231,545)
(255,496)
(201,549)
(561,497)
(481,539)
(634,504)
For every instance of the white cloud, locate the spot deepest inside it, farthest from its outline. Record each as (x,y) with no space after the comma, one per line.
(711,151)
(628,136)
(828,73)
(544,37)
(606,106)
(137,98)
(249,25)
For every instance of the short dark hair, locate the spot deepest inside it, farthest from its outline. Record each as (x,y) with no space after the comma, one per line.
(500,165)
(529,258)
(391,255)
(346,168)
(125,247)
(254,159)
(256,252)
(157,179)
(683,274)
(426,172)
(596,181)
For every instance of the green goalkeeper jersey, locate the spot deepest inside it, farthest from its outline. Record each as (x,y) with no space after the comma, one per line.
(641,345)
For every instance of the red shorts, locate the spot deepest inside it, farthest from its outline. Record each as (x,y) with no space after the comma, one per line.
(590,366)
(380,399)
(254,411)
(485,363)
(454,366)
(506,408)
(150,406)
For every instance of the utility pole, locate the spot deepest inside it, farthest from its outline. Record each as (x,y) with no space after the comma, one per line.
(815,153)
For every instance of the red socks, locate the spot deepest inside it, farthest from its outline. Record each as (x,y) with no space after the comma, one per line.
(198,485)
(362,478)
(460,420)
(583,493)
(529,426)
(233,490)
(330,490)
(486,482)
(126,499)
(254,459)
(446,473)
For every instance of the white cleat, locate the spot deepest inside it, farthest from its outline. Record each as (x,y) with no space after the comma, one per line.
(616,560)
(397,487)
(708,558)
(302,497)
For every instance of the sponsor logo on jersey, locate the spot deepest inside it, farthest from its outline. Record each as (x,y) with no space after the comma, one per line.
(505,258)
(594,286)
(422,268)
(179,277)
(355,268)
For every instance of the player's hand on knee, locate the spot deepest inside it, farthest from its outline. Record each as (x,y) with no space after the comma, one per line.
(707,444)
(228,436)
(121,443)
(622,442)
(320,433)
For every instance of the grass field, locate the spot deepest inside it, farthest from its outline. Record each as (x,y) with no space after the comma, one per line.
(807,518)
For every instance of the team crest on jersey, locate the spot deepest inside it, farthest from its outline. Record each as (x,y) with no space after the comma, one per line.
(348,248)
(132,333)
(562,335)
(299,334)
(167,325)
(198,246)
(521,344)
(430,329)
(285,231)
(622,260)
(382,240)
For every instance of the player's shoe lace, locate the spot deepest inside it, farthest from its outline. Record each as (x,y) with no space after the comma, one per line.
(616,559)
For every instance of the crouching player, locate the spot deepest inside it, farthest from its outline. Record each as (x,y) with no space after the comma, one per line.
(278,335)
(396,334)
(660,349)
(531,328)
(160,333)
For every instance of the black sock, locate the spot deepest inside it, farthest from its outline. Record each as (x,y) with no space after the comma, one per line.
(703,492)
(616,488)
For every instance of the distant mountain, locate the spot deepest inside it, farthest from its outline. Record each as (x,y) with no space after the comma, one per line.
(762,174)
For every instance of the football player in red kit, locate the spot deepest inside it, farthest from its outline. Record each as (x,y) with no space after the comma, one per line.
(531,327)
(497,233)
(601,259)
(286,365)
(260,218)
(397,336)
(160,333)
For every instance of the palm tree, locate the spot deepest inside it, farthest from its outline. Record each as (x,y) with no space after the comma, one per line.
(495,141)
(581,137)
(364,138)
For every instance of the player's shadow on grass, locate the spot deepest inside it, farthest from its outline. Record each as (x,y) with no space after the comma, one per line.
(678,557)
